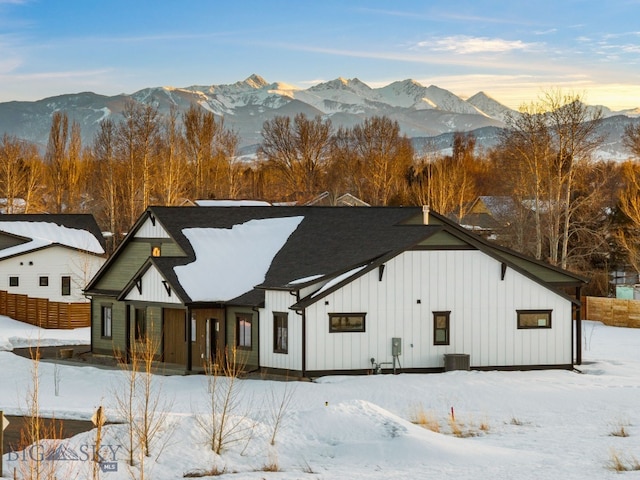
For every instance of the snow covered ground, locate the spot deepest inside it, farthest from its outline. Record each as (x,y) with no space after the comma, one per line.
(514,425)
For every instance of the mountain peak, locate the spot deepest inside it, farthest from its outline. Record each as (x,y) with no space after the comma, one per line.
(255,81)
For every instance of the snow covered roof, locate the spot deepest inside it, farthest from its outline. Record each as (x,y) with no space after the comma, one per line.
(230,262)
(40,231)
(232,203)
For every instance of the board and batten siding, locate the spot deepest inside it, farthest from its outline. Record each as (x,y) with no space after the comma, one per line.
(483,319)
(118,340)
(280,301)
(150,230)
(53,263)
(152,289)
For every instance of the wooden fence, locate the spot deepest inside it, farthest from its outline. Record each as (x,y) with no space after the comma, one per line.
(612,311)
(43,313)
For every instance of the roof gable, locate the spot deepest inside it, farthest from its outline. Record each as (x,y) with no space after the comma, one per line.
(78,232)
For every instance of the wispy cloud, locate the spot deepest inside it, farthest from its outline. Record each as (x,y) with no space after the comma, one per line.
(462,44)
(71,74)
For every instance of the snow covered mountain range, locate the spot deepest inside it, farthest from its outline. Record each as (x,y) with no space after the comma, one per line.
(422,112)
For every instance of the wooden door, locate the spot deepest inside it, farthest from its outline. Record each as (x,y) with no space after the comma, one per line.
(174,333)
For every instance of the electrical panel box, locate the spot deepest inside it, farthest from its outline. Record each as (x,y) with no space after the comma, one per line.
(396,346)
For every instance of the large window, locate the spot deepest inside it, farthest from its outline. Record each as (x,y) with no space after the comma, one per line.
(243,331)
(105,315)
(140,324)
(66,285)
(534,318)
(346,322)
(280,332)
(441,332)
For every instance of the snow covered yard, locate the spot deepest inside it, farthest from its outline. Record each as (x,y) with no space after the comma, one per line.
(514,425)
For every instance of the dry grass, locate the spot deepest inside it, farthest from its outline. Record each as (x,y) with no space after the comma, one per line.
(619,432)
(516,421)
(428,420)
(618,463)
(212,472)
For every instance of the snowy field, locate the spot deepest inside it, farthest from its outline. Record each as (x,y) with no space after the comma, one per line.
(511,425)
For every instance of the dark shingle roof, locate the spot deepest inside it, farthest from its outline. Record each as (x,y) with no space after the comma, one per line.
(328,239)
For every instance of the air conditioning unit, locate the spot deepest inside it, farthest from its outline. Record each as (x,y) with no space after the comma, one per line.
(456,361)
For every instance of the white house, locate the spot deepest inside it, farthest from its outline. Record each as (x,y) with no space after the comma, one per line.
(309,291)
(49,256)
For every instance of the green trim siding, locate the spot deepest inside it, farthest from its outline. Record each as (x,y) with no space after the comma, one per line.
(117,342)
(129,261)
(443,239)
(250,358)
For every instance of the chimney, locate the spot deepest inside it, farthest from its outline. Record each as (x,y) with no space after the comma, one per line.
(425,214)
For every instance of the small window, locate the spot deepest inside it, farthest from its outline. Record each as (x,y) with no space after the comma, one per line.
(155,251)
(44,281)
(280,332)
(13,282)
(243,331)
(534,318)
(346,322)
(441,328)
(105,315)
(66,286)
(140,324)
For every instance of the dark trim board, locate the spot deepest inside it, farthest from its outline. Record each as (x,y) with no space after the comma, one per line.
(311,374)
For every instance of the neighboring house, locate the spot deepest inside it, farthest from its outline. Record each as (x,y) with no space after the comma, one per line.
(331,200)
(48,257)
(308,291)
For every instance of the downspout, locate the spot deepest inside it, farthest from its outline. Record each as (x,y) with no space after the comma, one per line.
(189,333)
(579,326)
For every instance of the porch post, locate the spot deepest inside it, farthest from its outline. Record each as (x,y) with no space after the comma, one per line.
(189,333)
(578,326)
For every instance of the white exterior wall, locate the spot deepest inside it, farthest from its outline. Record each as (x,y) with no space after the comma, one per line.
(280,301)
(149,230)
(153,290)
(53,262)
(483,320)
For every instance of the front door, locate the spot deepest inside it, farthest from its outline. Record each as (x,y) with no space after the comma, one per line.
(205,335)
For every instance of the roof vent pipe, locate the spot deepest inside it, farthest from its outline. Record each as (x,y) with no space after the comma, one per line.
(425,214)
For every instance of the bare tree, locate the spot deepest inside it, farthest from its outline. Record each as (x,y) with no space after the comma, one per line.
(200,132)
(55,157)
(137,141)
(385,156)
(575,132)
(171,179)
(298,150)
(226,421)
(631,139)
(18,164)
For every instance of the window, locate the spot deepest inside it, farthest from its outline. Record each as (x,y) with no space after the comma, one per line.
(534,318)
(105,315)
(280,332)
(243,330)
(155,251)
(441,328)
(44,281)
(346,322)
(140,324)
(13,281)
(66,285)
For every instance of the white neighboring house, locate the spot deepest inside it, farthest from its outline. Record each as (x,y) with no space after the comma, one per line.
(49,256)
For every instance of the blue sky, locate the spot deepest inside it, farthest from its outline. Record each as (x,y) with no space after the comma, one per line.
(513,50)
